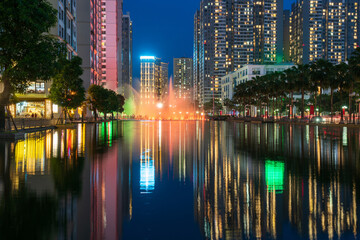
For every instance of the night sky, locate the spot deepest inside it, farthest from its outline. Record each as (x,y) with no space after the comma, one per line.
(163,28)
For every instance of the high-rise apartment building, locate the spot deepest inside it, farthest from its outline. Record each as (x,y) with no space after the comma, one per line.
(352,34)
(286,36)
(66,28)
(268,31)
(99,41)
(127,60)
(212,48)
(153,80)
(183,74)
(196,58)
(164,79)
(231,33)
(323,29)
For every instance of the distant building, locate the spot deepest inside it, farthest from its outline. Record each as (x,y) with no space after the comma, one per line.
(268,31)
(127,52)
(196,59)
(230,34)
(152,80)
(183,74)
(324,30)
(286,36)
(247,73)
(164,80)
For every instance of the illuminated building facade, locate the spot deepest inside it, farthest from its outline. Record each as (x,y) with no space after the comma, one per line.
(268,31)
(286,35)
(247,73)
(127,51)
(66,28)
(100,41)
(164,80)
(111,61)
(323,29)
(183,73)
(154,77)
(241,43)
(212,48)
(196,58)
(229,34)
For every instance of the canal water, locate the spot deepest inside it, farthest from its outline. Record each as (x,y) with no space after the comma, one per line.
(181,180)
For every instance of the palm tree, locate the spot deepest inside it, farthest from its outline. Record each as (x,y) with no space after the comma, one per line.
(354,67)
(302,83)
(339,80)
(289,79)
(320,75)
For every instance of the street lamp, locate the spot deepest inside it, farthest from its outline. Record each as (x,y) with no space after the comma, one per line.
(160,105)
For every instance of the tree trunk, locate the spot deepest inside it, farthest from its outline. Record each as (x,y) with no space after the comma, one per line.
(2,117)
(332,104)
(95,114)
(302,103)
(4,101)
(350,109)
(315,103)
(320,102)
(65,117)
(342,114)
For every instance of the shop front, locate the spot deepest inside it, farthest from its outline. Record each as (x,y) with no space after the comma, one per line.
(34,108)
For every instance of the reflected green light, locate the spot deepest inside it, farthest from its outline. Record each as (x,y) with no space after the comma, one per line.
(110,133)
(274,175)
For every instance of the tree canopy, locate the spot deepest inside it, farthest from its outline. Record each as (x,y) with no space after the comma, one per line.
(105,100)
(67,87)
(27,51)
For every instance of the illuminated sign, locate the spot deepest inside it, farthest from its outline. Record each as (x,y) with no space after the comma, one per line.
(147,58)
(274,175)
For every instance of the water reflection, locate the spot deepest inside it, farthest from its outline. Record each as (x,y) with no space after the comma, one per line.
(181,180)
(269,181)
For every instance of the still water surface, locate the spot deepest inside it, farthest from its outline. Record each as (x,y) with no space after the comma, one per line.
(181,180)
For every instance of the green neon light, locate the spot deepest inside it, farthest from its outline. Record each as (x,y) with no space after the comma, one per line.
(274,175)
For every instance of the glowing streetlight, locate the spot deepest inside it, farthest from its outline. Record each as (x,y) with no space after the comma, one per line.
(159,105)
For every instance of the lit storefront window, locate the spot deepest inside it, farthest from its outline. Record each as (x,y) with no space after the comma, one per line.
(30,109)
(36,87)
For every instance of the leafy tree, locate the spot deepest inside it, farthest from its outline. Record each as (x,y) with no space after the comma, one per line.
(121,101)
(97,99)
(67,87)
(229,104)
(213,106)
(27,51)
(105,100)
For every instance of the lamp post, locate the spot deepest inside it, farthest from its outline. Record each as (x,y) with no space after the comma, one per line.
(343,109)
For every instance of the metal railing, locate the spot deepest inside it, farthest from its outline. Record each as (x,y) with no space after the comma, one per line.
(28,123)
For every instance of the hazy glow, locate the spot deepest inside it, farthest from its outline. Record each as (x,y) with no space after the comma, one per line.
(160,105)
(147,58)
